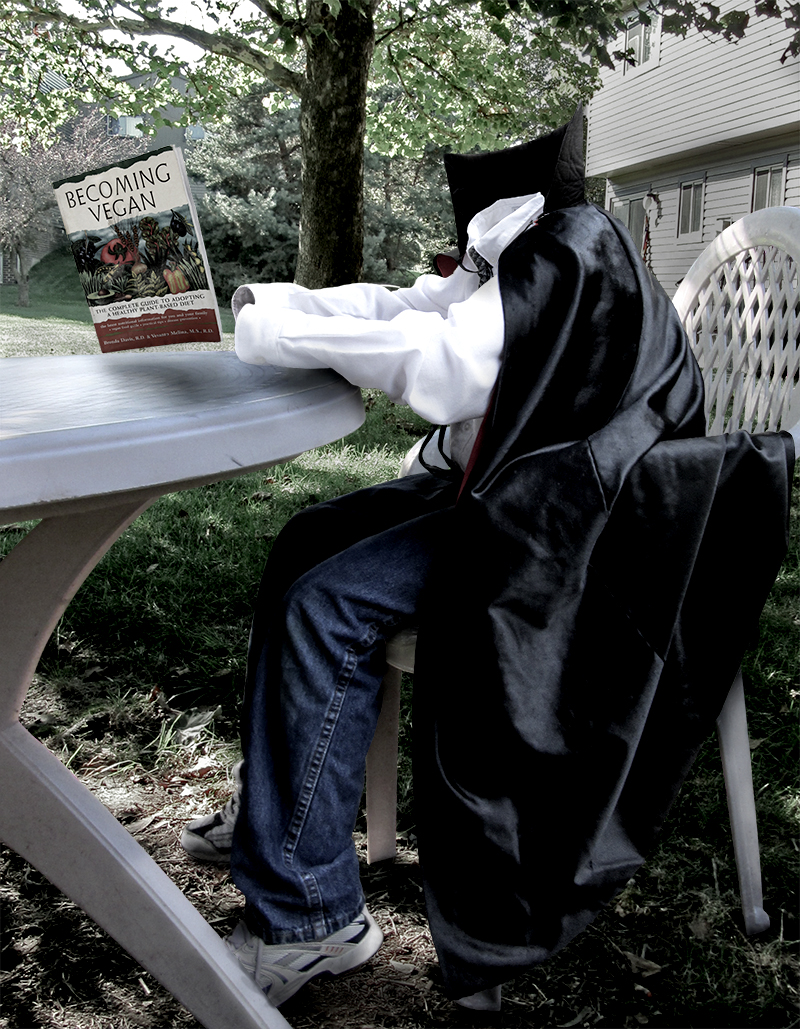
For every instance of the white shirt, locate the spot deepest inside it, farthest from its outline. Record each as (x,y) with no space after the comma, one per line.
(435,346)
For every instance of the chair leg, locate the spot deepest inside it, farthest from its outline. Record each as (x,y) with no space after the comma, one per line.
(382,774)
(734,746)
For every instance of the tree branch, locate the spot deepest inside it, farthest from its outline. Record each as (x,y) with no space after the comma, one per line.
(401,23)
(223,45)
(273,13)
(409,95)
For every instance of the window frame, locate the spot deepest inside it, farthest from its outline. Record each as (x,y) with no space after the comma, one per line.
(634,25)
(772,166)
(624,204)
(691,235)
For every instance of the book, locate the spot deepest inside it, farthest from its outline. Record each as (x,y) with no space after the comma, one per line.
(136,240)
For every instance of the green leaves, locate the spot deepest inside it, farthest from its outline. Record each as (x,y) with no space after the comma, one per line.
(477,74)
(463,70)
(503,32)
(494,9)
(735,23)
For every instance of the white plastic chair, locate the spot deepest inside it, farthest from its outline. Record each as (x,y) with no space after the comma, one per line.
(740,305)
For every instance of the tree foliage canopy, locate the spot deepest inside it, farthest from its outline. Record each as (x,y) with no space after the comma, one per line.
(458,68)
(401,74)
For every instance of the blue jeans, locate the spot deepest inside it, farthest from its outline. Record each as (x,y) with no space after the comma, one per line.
(341,578)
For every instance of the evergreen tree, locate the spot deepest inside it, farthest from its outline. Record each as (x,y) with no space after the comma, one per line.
(250,215)
(250,165)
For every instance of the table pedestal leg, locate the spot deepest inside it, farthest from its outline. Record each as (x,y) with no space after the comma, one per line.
(56,824)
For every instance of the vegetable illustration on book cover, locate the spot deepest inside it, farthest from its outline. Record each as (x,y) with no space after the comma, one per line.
(136,240)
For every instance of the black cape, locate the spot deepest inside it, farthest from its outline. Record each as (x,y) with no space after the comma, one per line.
(577,654)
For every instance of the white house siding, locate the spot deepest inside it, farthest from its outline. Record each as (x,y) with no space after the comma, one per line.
(700,93)
(793,182)
(728,188)
(705,111)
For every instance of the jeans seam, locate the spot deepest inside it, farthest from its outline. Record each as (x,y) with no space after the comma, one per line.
(297,823)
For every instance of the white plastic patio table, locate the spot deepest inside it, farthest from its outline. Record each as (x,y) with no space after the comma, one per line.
(86,444)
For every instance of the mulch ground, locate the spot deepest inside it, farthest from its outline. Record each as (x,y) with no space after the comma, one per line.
(632,967)
(60,970)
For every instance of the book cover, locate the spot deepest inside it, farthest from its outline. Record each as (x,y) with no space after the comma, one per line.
(136,241)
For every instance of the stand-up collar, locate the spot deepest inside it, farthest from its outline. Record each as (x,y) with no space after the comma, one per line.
(552,165)
(493,229)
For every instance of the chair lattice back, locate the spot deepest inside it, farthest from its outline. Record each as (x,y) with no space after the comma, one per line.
(740,305)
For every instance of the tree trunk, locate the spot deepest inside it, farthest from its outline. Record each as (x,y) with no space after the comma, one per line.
(332,125)
(22,267)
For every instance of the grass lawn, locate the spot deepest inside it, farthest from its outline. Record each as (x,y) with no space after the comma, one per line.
(58,319)
(158,632)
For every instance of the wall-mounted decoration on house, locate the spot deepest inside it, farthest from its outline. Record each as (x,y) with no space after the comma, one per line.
(650,206)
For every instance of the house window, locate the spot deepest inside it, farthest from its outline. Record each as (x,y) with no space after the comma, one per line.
(642,43)
(768,187)
(690,213)
(631,214)
(125,125)
(129,125)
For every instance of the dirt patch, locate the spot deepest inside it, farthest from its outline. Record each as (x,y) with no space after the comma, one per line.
(60,970)
(638,965)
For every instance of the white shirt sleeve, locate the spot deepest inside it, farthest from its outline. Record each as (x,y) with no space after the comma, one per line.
(362,299)
(435,346)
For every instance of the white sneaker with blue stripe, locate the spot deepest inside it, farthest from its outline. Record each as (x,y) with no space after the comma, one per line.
(281,969)
(209,837)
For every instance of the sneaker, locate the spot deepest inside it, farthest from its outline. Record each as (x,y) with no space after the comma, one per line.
(208,838)
(281,969)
